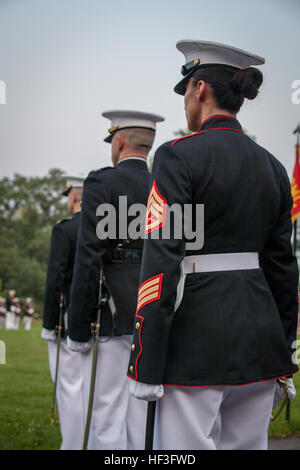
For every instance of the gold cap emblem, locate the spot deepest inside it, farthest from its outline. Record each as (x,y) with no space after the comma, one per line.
(196,61)
(113,128)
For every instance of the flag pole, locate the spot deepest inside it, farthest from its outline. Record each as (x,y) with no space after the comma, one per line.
(297,132)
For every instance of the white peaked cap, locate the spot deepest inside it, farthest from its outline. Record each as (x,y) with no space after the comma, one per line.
(206,53)
(124,119)
(73,182)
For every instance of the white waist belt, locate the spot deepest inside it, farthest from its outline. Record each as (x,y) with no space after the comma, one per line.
(220,262)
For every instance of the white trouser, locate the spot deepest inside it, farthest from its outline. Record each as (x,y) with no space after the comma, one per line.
(27,322)
(214,418)
(2,321)
(69,395)
(118,420)
(16,322)
(10,320)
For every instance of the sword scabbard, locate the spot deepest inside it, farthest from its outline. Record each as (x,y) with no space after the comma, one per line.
(58,330)
(95,328)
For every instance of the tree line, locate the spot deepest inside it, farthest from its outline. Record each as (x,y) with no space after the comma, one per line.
(29,207)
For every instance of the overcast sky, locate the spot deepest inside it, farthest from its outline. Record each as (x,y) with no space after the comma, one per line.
(66,61)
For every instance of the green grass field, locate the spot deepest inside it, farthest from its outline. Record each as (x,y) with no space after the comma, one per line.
(26,394)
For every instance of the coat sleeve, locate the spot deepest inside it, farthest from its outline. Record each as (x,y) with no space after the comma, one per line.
(281,268)
(170,184)
(58,262)
(88,260)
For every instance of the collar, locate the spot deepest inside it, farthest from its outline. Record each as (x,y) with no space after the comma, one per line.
(136,162)
(76,214)
(220,122)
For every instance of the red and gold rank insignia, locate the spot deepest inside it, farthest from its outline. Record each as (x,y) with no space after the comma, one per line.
(156,210)
(149,291)
(295,187)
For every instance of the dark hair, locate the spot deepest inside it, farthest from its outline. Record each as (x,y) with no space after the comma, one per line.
(230,86)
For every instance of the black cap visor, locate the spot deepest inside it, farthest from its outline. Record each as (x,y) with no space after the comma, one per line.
(180,88)
(66,192)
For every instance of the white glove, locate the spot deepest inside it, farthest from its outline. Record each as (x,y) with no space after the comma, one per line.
(48,335)
(280,394)
(145,391)
(77,346)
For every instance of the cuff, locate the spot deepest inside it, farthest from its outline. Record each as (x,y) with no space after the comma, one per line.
(146,392)
(77,346)
(48,335)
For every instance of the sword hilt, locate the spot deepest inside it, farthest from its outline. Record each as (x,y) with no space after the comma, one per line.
(283,385)
(58,329)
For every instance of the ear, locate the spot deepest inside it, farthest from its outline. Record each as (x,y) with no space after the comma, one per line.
(201,89)
(75,197)
(121,141)
(71,197)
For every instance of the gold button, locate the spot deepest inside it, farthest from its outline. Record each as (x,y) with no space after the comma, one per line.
(133,347)
(131,369)
(137,325)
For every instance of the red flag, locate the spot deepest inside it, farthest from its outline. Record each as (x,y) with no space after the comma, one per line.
(296,187)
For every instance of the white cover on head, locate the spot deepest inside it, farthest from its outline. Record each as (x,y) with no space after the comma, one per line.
(208,52)
(75,181)
(121,119)
(205,53)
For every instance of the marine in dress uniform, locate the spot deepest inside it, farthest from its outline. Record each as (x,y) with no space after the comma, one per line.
(2,312)
(10,315)
(15,307)
(28,314)
(59,278)
(118,421)
(212,361)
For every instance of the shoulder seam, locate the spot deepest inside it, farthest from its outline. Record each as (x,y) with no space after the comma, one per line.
(96,172)
(58,222)
(206,130)
(184,137)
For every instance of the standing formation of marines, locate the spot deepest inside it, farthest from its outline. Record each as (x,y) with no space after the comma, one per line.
(69,387)
(208,332)
(11,312)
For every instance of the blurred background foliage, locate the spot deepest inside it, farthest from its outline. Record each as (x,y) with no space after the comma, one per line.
(29,206)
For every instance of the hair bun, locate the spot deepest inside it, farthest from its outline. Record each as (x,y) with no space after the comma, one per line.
(247,82)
